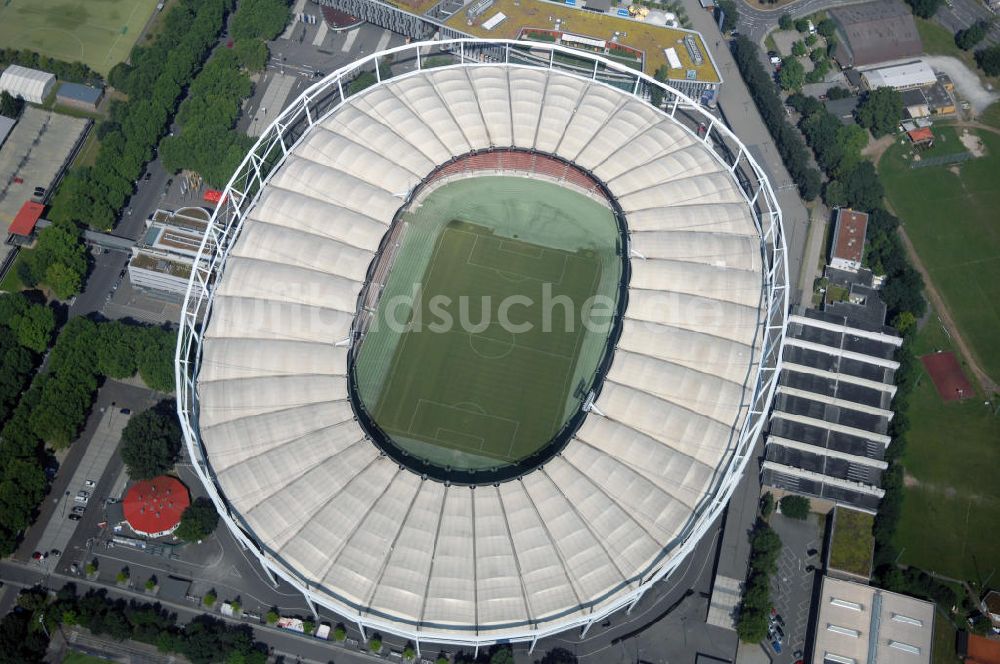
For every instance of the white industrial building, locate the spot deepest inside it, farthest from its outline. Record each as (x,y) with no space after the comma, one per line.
(32,85)
(905,76)
(296,476)
(858,623)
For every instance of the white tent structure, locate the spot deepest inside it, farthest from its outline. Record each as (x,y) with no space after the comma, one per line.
(31,84)
(264,392)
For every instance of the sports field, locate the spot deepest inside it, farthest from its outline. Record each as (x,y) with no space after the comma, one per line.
(99,33)
(491,358)
(951,499)
(950,214)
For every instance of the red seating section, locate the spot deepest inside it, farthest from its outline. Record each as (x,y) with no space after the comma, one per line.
(501,161)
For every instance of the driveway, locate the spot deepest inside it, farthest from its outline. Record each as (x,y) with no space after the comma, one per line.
(792,588)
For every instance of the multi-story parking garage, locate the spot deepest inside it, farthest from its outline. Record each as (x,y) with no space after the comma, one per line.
(398,541)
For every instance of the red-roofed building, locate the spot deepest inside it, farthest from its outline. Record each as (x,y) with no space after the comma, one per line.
(979,650)
(849,240)
(154,507)
(26,218)
(921,136)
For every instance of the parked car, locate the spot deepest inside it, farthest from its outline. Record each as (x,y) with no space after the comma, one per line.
(776,619)
(74,517)
(89,484)
(776,645)
(79,509)
(82,496)
(126,411)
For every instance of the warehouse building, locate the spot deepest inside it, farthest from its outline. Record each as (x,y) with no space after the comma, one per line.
(829,427)
(903,76)
(875,32)
(79,96)
(32,85)
(859,623)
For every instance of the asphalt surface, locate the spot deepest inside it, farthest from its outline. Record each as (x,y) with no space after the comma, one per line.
(793,586)
(963,13)
(755,23)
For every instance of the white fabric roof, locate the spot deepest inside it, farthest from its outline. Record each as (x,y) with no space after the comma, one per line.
(32,84)
(568,538)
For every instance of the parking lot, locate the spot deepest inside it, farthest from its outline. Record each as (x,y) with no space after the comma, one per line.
(797,579)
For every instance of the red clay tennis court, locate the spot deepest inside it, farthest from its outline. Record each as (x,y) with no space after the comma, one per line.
(948,377)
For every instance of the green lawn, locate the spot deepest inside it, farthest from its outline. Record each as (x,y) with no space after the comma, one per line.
(99,34)
(940,41)
(951,503)
(457,386)
(852,542)
(943,647)
(950,214)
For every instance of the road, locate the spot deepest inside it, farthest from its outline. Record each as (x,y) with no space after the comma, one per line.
(741,115)
(755,23)
(963,13)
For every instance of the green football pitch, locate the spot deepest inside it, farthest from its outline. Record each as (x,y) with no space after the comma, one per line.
(485,361)
(99,33)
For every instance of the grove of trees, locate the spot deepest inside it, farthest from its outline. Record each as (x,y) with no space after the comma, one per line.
(924,8)
(790,145)
(967,38)
(25,330)
(75,72)
(11,106)
(755,607)
(59,260)
(198,521)
(154,79)
(880,111)
(207,142)
(151,442)
(729,14)
(203,640)
(988,60)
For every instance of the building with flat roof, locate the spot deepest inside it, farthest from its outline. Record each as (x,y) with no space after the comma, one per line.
(875,32)
(861,624)
(79,96)
(903,76)
(848,247)
(33,85)
(164,256)
(828,430)
(618,34)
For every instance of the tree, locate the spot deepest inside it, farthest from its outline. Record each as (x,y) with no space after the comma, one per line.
(729,14)
(972,35)
(150,443)
(339,633)
(837,92)
(558,656)
(862,188)
(209,598)
(272,617)
(260,19)
(308,627)
(802,25)
(252,54)
(811,40)
(904,321)
(11,106)
(817,54)
(792,75)
(880,111)
(375,643)
(799,49)
(236,606)
(150,583)
(198,521)
(751,626)
(766,505)
(795,507)
(988,60)
(924,8)
(827,27)
(408,653)
(785,22)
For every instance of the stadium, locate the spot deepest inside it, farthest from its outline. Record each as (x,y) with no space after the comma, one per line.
(478,352)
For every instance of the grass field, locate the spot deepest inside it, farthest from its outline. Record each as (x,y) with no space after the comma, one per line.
(99,34)
(76,657)
(951,501)
(458,387)
(950,214)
